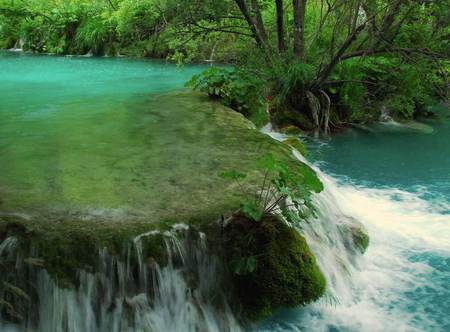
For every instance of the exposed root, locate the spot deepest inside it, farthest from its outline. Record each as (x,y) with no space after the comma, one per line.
(319,107)
(325,110)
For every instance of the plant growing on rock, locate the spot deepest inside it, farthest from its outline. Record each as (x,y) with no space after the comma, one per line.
(281,189)
(271,263)
(236,89)
(284,192)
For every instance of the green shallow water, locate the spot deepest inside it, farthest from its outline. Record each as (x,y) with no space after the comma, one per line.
(97,138)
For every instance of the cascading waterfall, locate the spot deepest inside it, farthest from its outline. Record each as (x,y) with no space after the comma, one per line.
(176,297)
(390,287)
(18,46)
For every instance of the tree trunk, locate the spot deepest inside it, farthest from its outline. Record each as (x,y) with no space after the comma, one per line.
(259,21)
(251,22)
(325,73)
(280,26)
(299,7)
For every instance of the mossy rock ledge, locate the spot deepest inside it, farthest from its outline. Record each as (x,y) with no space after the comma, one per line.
(286,273)
(186,189)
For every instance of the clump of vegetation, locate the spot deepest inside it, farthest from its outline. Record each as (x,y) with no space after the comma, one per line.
(270,261)
(273,266)
(282,189)
(239,90)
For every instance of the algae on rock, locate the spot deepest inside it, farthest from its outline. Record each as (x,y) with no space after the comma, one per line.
(286,273)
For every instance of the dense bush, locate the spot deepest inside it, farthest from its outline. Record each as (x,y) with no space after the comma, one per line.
(237,89)
(128,27)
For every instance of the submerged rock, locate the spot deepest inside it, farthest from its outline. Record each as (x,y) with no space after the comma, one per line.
(360,237)
(355,235)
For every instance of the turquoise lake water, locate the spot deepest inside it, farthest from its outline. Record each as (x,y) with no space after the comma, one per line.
(393,178)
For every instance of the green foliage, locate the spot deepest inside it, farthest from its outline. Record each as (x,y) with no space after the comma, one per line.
(236,89)
(284,188)
(403,89)
(273,266)
(244,265)
(290,83)
(96,34)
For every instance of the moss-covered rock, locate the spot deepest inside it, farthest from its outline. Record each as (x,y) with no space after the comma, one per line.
(360,237)
(296,144)
(355,235)
(176,181)
(63,248)
(288,117)
(292,130)
(285,272)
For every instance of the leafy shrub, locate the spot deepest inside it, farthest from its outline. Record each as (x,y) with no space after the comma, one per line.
(291,82)
(95,34)
(236,89)
(282,189)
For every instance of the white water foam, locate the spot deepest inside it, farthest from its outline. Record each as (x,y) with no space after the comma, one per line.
(393,287)
(175,298)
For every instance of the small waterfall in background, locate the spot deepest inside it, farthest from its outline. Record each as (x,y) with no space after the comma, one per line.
(18,46)
(386,118)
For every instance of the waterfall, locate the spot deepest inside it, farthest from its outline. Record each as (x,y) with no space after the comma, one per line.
(330,237)
(387,289)
(385,116)
(18,46)
(184,295)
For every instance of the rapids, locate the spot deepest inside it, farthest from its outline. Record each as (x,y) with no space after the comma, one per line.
(396,181)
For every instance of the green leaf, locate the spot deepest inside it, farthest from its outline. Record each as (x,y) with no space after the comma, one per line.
(251,264)
(238,266)
(252,210)
(244,265)
(268,162)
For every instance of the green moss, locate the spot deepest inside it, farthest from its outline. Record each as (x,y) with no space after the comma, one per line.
(288,117)
(296,144)
(292,130)
(286,273)
(355,236)
(65,247)
(360,238)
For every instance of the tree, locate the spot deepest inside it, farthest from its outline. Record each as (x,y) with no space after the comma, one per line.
(372,28)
